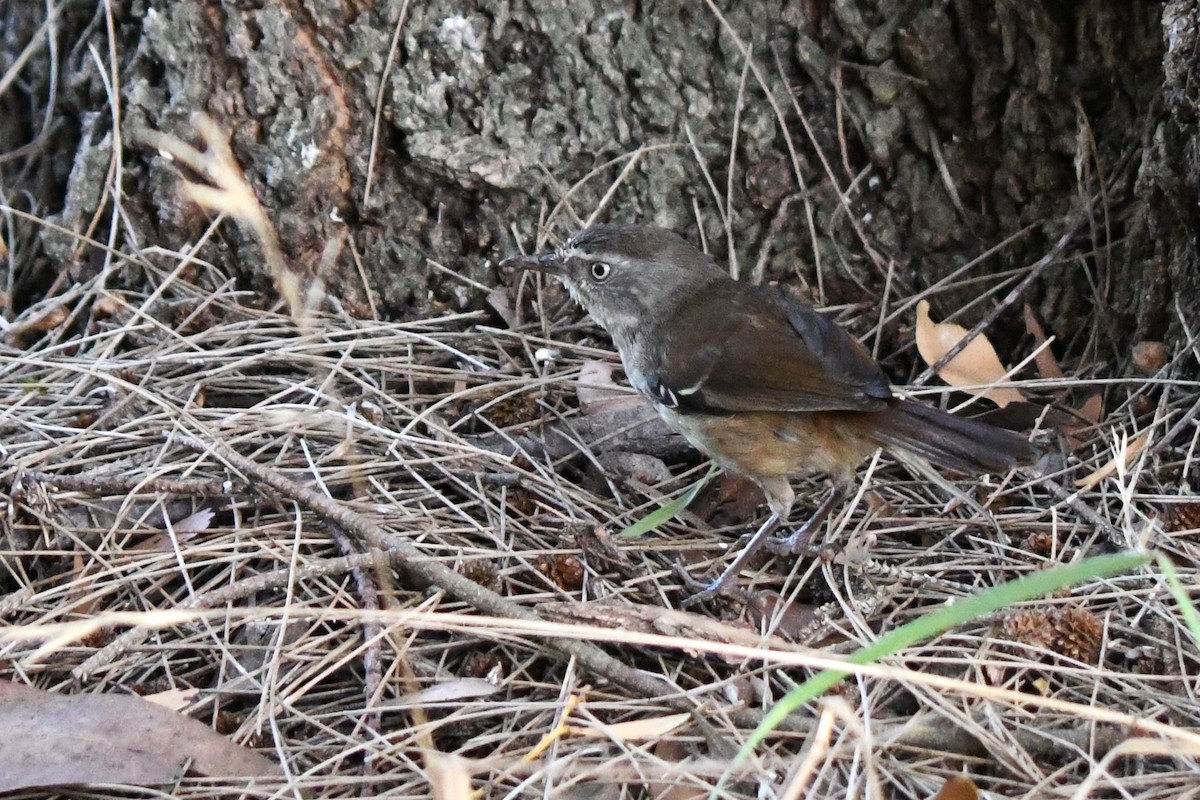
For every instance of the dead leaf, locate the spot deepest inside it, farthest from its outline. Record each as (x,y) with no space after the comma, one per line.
(1092,408)
(637,730)
(641,468)
(55,739)
(790,621)
(678,783)
(195,523)
(107,306)
(174,699)
(976,365)
(1087,416)
(500,299)
(1047,365)
(1126,453)
(959,787)
(729,500)
(184,530)
(1149,357)
(449,691)
(46,315)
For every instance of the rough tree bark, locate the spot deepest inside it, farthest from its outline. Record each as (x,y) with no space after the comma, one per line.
(922,135)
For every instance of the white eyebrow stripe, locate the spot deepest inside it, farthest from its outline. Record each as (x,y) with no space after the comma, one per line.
(570,250)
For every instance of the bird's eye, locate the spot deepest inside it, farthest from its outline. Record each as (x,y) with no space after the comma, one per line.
(601,270)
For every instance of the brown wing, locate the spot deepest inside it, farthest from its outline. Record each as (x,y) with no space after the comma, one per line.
(763,351)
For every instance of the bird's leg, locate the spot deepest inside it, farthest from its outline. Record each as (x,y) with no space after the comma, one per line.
(779,497)
(798,542)
(721,584)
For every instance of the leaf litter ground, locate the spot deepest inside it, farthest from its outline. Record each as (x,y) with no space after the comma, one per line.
(141,555)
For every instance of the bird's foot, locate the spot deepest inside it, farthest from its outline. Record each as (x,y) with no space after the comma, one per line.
(723,585)
(800,544)
(702,591)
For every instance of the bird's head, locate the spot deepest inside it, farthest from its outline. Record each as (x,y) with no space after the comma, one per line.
(626,276)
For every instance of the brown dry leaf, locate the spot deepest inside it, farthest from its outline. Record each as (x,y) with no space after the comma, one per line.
(174,699)
(1127,453)
(1083,418)
(791,621)
(674,784)
(500,299)
(1092,408)
(184,530)
(642,468)
(58,740)
(53,317)
(45,316)
(107,306)
(637,730)
(1047,365)
(729,500)
(959,787)
(195,523)
(1149,357)
(976,365)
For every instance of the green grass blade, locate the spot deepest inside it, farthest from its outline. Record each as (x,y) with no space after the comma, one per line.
(667,510)
(935,622)
(1187,608)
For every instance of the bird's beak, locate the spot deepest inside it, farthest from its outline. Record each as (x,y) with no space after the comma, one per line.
(545,263)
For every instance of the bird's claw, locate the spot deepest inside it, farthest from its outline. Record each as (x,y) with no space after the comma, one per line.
(799,544)
(702,591)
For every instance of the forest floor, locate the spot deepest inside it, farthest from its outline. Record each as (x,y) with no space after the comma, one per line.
(261,524)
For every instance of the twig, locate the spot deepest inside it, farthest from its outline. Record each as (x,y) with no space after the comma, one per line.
(418,565)
(102,485)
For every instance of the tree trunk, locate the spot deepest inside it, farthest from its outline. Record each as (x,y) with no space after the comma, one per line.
(877,147)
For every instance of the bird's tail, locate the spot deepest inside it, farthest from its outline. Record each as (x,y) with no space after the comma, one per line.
(950,442)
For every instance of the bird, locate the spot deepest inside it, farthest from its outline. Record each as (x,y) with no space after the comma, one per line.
(758,380)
